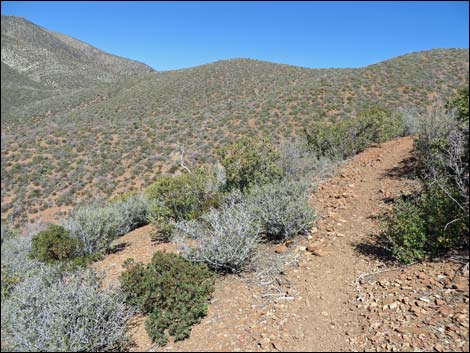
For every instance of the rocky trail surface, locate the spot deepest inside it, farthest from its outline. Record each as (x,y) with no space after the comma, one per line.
(342,294)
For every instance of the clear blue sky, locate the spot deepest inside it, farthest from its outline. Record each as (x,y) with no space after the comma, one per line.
(173,35)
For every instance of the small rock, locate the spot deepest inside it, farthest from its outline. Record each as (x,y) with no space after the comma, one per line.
(281,249)
(388,300)
(418,330)
(445,310)
(315,250)
(439,302)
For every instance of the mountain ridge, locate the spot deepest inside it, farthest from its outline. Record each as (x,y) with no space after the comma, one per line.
(58,60)
(62,145)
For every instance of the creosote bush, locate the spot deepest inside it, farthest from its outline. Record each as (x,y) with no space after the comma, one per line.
(182,197)
(54,244)
(345,138)
(249,161)
(171,290)
(63,312)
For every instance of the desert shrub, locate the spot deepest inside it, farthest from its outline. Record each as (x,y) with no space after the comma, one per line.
(53,311)
(122,197)
(410,121)
(460,102)
(249,161)
(446,223)
(15,255)
(182,197)
(224,238)
(441,149)
(433,140)
(55,244)
(172,290)
(8,282)
(298,161)
(95,226)
(131,212)
(406,232)
(380,125)
(345,138)
(7,232)
(440,214)
(281,208)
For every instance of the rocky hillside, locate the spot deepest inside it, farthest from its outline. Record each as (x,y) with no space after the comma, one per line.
(110,130)
(57,60)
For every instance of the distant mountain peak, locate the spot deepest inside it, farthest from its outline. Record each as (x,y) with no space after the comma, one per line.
(57,60)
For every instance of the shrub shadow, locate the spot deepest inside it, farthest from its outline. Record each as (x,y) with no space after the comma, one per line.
(406,169)
(376,250)
(118,247)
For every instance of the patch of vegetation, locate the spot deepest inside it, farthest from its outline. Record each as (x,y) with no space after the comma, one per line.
(171,290)
(96,224)
(248,162)
(281,208)
(55,244)
(176,198)
(437,221)
(53,311)
(217,104)
(348,137)
(225,238)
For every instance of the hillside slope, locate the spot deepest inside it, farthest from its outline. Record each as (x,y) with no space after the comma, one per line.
(57,60)
(339,297)
(98,138)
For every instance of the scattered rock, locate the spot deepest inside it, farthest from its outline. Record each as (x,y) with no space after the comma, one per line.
(280,249)
(315,250)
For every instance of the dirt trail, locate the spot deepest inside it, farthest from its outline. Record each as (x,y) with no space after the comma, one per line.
(320,316)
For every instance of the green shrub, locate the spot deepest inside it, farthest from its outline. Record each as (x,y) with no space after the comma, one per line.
(428,226)
(345,138)
(55,244)
(172,290)
(445,222)
(249,161)
(406,232)
(182,197)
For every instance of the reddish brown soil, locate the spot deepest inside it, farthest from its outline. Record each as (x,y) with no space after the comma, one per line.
(328,304)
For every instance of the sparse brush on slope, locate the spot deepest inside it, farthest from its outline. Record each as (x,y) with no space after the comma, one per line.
(119,135)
